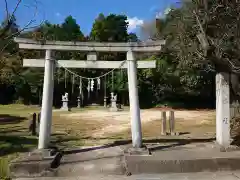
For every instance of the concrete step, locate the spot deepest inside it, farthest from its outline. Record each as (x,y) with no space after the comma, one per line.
(104,166)
(183,161)
(226,175)
(81,178)
(81,162)
(108,161)
(112,161)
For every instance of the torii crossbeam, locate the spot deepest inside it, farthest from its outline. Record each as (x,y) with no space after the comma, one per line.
(89,64)
(92,47)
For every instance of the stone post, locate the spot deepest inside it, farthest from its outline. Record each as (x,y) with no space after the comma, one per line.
(222,109)
(79,102)
(105,101)
(172,123)
(47,102)
(38,118)
(33,124)
(134,101)
(164,124)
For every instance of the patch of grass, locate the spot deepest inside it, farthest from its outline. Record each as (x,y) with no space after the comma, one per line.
(4,171)
(11,144)
(10,147)
(18,110)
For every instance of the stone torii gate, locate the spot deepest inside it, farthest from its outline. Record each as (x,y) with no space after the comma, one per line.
(49,65)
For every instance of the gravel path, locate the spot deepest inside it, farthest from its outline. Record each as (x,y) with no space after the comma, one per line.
(120,121)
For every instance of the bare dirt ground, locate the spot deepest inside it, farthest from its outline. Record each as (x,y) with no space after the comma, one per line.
(120,121)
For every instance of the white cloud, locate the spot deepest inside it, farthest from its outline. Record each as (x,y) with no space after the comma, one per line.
(167,11)
(133,23)
(163,14)
(159,15)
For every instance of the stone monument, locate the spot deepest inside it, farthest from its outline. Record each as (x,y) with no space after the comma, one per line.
(65,102)
(79,102)
(105,101)
(113,106)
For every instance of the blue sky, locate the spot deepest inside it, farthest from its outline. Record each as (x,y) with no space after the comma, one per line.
(85,11)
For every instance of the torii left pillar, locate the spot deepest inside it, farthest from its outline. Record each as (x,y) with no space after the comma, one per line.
(47,102)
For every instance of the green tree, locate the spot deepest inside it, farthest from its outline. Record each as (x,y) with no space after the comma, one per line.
(112,28)
(132,37)
(71,30)
(186,74)
(11,29)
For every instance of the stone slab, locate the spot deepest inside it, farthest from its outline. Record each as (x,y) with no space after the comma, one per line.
(183,161)
(94,161)
(106,160)
(35,164)
(104,166)
(91,153)
(227,175)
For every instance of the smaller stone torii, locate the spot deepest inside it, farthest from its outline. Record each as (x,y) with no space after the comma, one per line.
(92,47)
(90,63)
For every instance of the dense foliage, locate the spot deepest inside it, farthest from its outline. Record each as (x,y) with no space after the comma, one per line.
(184,75)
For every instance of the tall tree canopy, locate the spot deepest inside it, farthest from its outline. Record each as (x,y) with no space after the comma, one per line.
(71,30)
(110,28)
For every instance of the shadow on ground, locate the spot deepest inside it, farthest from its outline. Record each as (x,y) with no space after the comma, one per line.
(236,140)
(10,144)
(14,129)
(174,143)
(8,119)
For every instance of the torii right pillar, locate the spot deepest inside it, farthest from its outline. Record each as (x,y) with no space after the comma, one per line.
(223,110)
(134,101)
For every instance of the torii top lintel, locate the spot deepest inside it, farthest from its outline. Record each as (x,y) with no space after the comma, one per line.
(154,46)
